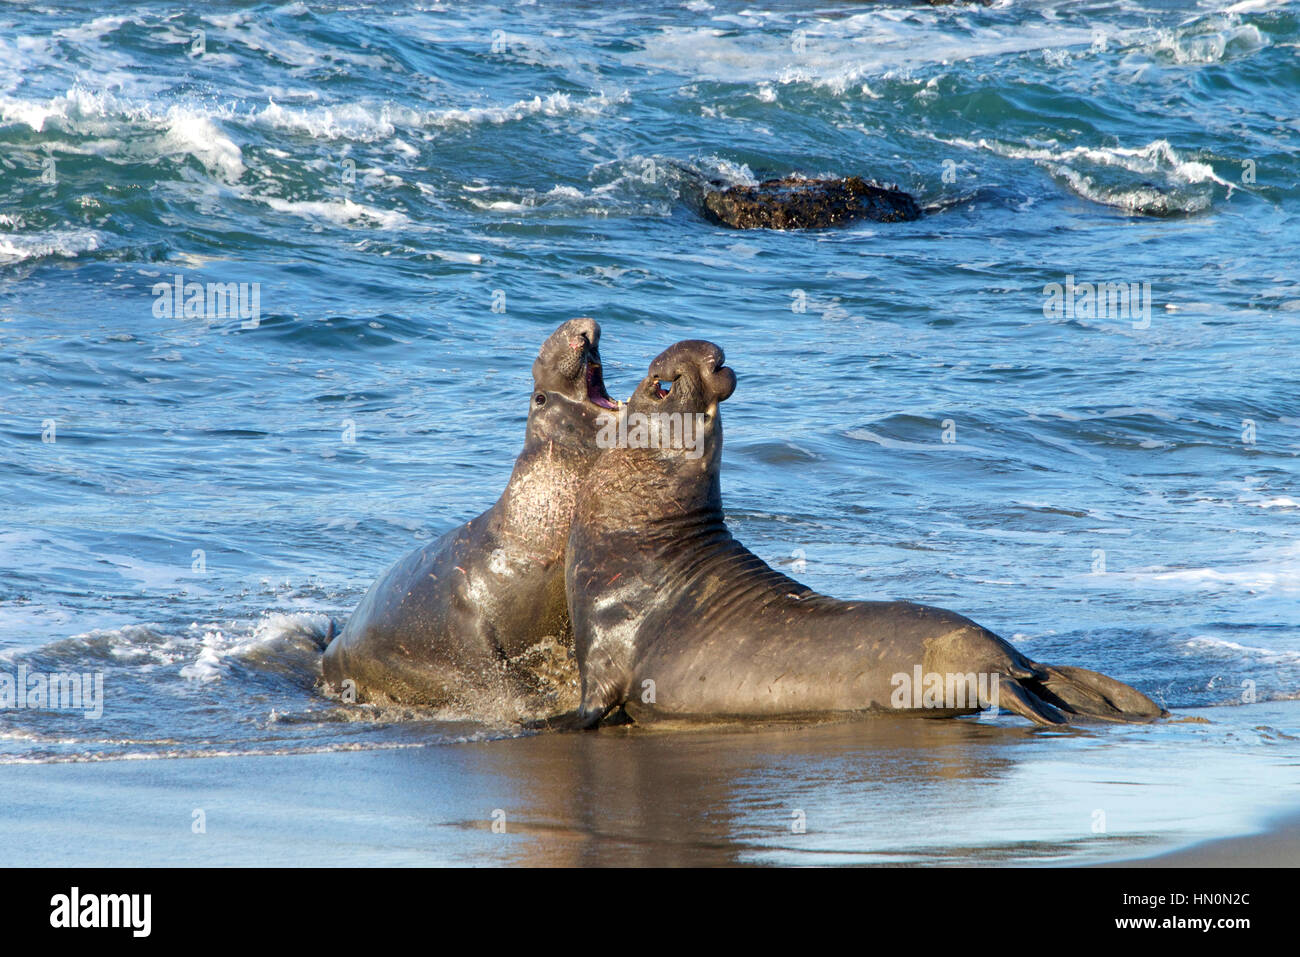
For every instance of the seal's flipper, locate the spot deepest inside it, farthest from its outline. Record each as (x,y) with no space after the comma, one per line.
(1094,695)
(593,716)
(569,721)
(1013,696)
(322,635)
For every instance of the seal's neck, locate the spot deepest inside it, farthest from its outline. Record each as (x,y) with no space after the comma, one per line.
(652,496)
(537,504)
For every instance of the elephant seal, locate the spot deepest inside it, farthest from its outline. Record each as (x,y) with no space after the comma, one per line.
(476,621)
(796,203)
(673,617)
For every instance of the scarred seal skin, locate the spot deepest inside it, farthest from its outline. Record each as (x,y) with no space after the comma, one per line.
(476,621)
(796,203)
(675,618)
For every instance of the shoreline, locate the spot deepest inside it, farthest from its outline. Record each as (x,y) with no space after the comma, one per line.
(1276,844)
(864,793)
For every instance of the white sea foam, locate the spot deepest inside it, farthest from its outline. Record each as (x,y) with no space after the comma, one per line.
(207,667)
(66,243)
(836,54)
(1255,6)
(1186,46)
(1280,575)
(342,212)
(291,641)
(1156,159)
(178,129)
(643,184)
(189,752)
(554,104)
(1282,501)
(1158,156)
(370,122)
(364,122)
(96,28)
(455,256)
(252,33)
(1212,643)
(406,149)
(29,112)
(193,132)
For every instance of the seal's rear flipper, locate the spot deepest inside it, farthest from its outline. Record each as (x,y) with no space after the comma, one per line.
(569,721)
(1093,695)
(580,720)
(328,632)
(1013,696)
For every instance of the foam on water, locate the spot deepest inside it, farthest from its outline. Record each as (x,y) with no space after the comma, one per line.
(197,135)
(1078,167)
(365,122)
(178,129)
(343,212)
(1209,42)
(60,243)
(837,55)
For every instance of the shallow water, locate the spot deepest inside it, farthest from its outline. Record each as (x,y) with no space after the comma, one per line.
(423,193)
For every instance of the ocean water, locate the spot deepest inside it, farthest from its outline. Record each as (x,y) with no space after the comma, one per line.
(417,194)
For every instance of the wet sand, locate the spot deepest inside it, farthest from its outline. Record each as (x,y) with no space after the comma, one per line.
(876,791)
(1278,845)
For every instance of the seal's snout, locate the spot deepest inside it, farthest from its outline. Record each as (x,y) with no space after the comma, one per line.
(582,332)
(723,383)
(704,363)
(569,364)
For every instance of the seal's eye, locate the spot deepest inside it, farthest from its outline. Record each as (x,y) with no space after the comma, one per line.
(539,399)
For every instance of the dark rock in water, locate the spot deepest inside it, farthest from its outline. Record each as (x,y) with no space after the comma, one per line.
(795,203)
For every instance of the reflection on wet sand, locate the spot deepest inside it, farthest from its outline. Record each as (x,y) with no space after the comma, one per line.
(879,790)
(719,794)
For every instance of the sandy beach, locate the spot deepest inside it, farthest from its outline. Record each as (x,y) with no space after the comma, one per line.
(871,792)
(1276,845)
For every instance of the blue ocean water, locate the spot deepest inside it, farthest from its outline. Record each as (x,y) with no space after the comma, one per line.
(419,193)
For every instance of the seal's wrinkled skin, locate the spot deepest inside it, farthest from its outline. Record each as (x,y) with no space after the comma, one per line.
(675,618)
(477,621)
(795,203)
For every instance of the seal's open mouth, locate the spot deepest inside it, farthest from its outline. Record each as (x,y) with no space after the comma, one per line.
(660,391)
(596,393)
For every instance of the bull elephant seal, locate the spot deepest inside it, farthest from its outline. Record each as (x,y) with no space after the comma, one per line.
(796,203)
(476,621)
(673,617)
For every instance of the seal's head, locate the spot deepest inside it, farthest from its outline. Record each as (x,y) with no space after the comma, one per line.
(680,396)
(689,376)
(568,388)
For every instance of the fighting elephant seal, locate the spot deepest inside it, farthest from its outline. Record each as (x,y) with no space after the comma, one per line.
(675,618)
(477,620)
